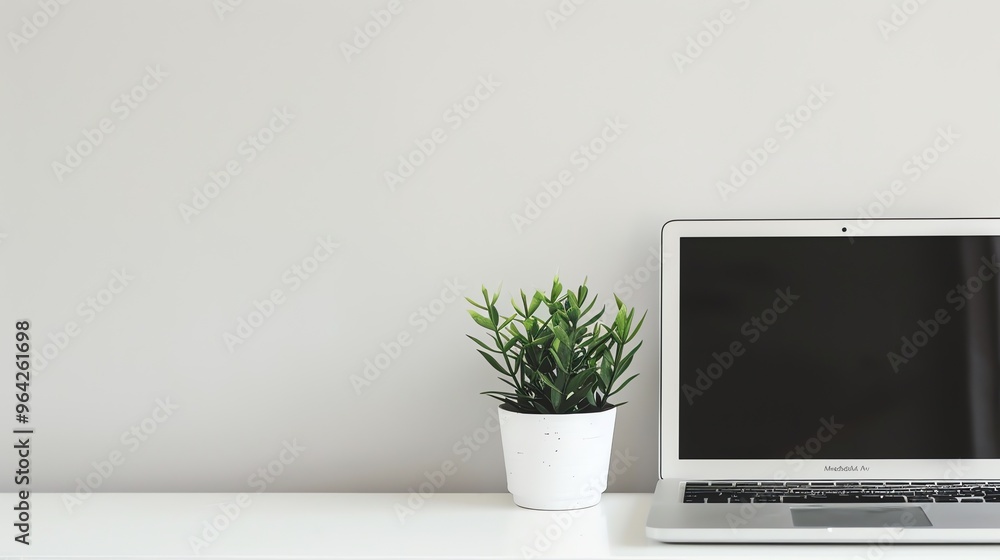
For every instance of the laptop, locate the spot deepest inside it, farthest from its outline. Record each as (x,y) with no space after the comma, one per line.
(829,381)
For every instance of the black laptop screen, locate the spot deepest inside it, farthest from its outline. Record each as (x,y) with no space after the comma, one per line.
(820,347)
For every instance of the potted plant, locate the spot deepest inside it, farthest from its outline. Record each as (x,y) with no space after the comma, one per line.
(561,365)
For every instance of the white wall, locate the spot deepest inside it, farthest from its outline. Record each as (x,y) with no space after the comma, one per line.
(66,233)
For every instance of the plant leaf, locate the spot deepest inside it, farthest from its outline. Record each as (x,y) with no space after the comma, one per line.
(482,321)
(556,289)
(605,372)
(510,344)
(548,383)
(473,302)
(637,327)
(561,336)
(573,302)
(593,319)
(493,362)
(536,300)
(513,303)
(483,344)
(559,363)
(508,382)
(622,386)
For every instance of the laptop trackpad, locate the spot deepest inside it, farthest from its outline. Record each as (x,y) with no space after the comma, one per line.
(877,516)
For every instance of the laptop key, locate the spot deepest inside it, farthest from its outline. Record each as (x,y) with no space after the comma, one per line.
(844,499)
(794,499)
(767,499)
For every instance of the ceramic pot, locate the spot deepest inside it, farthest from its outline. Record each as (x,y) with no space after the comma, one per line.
(557,461)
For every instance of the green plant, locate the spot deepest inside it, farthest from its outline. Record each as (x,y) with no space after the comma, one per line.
(567,362)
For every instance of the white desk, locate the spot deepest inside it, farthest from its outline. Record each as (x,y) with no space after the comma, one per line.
(459,526)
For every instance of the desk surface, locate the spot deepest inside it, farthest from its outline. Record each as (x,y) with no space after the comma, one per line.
(459,526)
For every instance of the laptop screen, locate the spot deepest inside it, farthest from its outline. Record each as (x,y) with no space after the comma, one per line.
(831,348)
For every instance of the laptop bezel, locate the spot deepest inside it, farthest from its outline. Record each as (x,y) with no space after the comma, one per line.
(672,467)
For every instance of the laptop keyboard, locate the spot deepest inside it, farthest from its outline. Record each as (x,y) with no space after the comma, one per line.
(839,492)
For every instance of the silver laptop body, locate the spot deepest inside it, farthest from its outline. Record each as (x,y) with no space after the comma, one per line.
(829,381)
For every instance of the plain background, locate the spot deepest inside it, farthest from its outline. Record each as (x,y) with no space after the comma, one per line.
(323,176)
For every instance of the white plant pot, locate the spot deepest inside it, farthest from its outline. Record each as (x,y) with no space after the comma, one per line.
(557,461)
